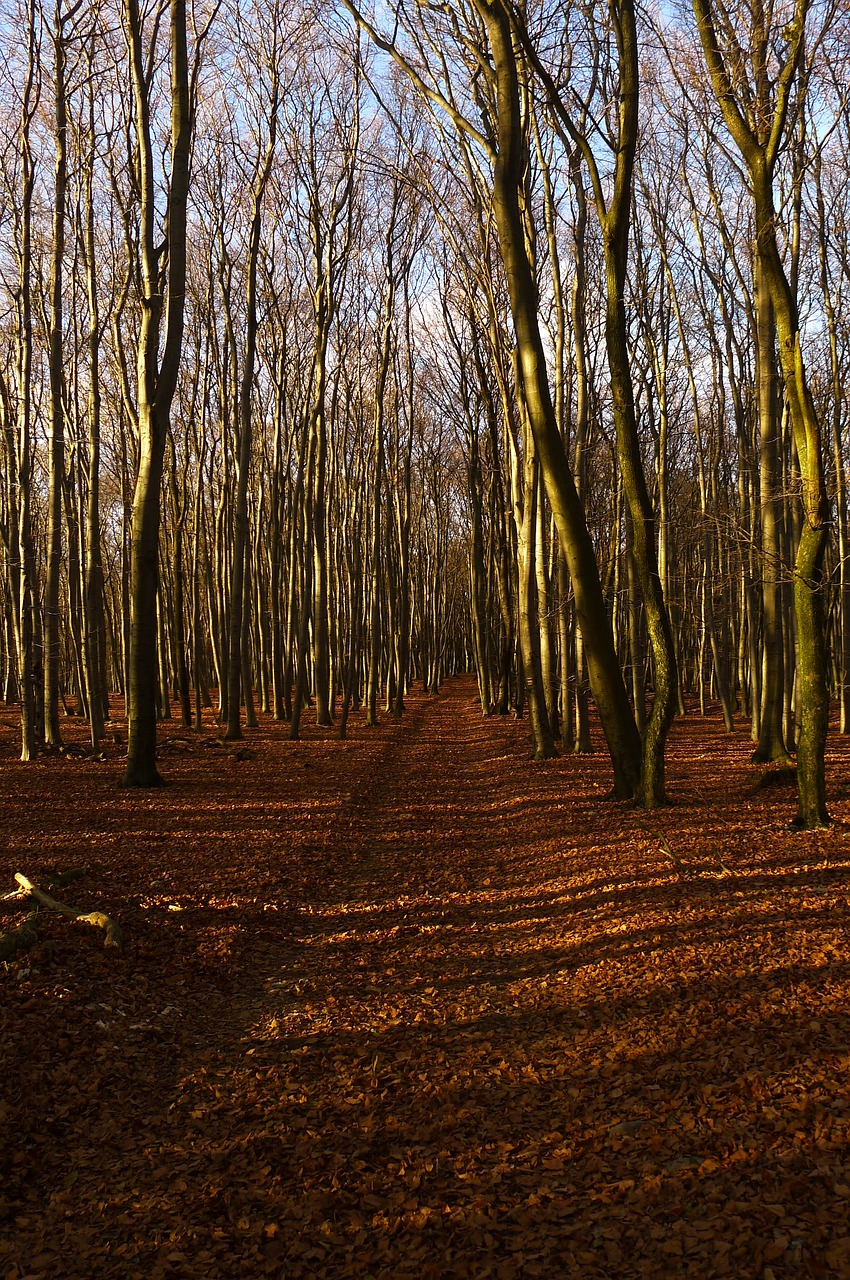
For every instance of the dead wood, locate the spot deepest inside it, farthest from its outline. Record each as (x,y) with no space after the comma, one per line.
(18,939)
(114,935)
(15,894)
(178,742)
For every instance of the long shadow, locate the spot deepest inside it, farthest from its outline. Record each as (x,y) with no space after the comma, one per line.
(331,1072)
(460,1137)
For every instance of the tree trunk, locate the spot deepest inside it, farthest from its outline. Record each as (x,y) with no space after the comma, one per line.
(760,149)
(156,376)
(771,741)
(53,736)
(605,675)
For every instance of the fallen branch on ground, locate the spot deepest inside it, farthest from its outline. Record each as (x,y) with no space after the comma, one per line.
(178,742)
(114,935)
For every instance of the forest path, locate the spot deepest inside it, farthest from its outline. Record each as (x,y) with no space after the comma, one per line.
(412,1005)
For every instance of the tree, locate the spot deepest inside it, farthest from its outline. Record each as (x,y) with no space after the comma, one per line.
(613,210)
(504,142)
(19,538)
(163,284)
(53,735)
(753,83)
(270,30)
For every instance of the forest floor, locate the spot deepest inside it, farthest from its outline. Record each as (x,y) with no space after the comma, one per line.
(411,1005)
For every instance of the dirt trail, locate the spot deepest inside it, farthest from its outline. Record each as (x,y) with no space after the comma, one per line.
(412,1005)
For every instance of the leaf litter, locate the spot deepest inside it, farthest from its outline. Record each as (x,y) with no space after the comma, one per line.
(412,1005)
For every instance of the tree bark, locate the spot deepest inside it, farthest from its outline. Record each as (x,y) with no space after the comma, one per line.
(605,676)
(53,736)
(759,143)
(156,376)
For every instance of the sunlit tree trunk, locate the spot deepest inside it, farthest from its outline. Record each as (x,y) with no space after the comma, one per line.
(759,139)
(373,680)
(95,630)
(581,741)
(156,371)
(841,642)
(179,507)
(56,473)
(25,609)
(403,501)
(605,676)
(771,742)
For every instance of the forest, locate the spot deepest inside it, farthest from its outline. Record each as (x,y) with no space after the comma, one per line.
(424,446)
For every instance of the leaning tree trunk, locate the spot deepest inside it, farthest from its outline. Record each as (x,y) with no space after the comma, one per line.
(605,676)
(615,234)
(143,667)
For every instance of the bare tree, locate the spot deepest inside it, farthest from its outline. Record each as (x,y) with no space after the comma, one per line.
(163,283)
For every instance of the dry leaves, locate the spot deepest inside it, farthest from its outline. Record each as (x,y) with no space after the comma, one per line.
(414,1006)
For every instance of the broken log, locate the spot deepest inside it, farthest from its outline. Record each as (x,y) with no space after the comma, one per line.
(114,935)
(18,895)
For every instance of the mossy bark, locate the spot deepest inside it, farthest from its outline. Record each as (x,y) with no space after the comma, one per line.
(615,232)
(771,741)
(756,119)
(604,672)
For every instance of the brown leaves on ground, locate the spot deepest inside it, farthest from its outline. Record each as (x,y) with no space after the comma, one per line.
(411,1005)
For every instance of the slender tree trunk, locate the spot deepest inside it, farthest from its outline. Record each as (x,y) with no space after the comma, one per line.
(544,628)
(239,595)
(477,576)
(53,736)
(637,659)
(95,631)
(178,505)
(771,742)
(842,634)
(302,640)
(373,678)
(615,235)
(23,566)
(581,738)
(760,151)
(605,675)
(529,618)
(157,376)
